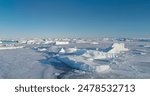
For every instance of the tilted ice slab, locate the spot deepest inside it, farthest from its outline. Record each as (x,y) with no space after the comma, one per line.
(81,63)
(117,48)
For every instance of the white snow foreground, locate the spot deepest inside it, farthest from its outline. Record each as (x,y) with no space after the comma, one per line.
(23,64)
(86,62)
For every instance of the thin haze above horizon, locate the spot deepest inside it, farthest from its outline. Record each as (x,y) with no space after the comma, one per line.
(74,18)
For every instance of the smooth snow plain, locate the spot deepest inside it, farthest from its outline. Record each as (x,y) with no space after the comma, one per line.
(109,58)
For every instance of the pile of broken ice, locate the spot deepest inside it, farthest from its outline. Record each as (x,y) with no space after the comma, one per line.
(84,59)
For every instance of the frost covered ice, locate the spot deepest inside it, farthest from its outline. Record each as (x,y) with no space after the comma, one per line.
(80,58)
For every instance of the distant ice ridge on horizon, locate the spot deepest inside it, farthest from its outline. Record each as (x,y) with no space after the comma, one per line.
(10,47)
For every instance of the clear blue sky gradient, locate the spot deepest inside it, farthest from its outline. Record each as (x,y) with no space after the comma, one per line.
(74,18)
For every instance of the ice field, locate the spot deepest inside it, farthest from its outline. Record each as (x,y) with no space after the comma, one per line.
(105,58)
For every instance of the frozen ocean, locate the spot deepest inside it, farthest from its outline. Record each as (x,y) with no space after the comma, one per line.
(100,58)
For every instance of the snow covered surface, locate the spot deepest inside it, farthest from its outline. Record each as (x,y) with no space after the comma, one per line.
(81,58)
(24,63)
(10,47)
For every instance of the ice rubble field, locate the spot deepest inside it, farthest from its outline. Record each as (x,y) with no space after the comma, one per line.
(75,58)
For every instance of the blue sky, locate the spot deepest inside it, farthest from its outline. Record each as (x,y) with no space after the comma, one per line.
(74,18)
